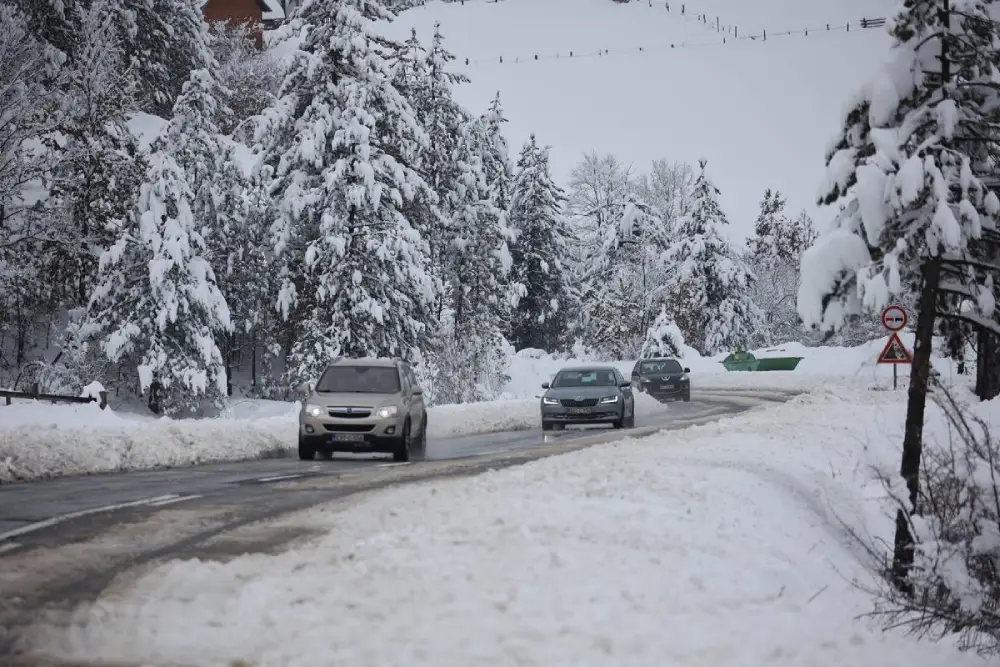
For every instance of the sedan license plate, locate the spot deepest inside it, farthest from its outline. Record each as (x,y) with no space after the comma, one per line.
(666,386)
(579,411)
(347,437)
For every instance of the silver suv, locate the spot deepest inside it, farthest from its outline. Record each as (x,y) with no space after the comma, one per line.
(364,405)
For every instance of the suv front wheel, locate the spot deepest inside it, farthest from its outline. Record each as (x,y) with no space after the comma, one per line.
(306,452)
(402,452)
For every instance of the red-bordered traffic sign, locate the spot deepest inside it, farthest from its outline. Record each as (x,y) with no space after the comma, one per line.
(894,318)
(895,352)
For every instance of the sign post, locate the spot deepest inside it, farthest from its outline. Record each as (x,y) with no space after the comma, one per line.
(894,319)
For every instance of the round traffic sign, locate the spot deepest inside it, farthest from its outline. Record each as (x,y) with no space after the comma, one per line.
(894,318)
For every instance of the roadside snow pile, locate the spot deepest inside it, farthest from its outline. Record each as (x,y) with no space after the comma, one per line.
(820,366)
(39,440)
(719,544)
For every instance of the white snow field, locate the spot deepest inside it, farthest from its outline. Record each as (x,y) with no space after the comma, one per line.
(761,112)
(39,440)
(725,544)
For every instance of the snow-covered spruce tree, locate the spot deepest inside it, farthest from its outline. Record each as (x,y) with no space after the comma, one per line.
(541,318)
(250,78)
(222,203)
(663,339)
(27,73)
(355,272)
(713,282)
(623,287)
(97,163)
(156,311)
(163,41)
(478,295)
(430,89)
(775,250)
(907,172)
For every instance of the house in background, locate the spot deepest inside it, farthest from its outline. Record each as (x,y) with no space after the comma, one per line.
(256,15)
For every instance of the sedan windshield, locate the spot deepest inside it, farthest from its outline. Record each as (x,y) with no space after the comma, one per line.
(359,380)
(584,378)
(660,367)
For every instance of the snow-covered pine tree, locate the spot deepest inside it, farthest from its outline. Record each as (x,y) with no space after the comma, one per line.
(713,282)
(775,250)
(624,279)
(156,310)
(663,338)
(478,295)
(907,172)
(28,72)
(430,90)
(163,41)
(251,78)
(340,141)
(542,314)
(222,204)
(495,153)
(98,164)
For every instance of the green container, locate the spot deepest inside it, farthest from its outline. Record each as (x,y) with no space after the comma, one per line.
(740,361)
(778,363)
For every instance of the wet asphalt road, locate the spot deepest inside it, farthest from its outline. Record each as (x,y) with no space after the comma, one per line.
(48,512)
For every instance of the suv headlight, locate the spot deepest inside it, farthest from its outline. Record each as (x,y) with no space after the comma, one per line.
(684,378)
(387,412)
(313,410)
(549,401)
(609,399)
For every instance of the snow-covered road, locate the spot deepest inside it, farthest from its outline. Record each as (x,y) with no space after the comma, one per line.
(719,544)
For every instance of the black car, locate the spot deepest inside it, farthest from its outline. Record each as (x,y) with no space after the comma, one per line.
(664,379)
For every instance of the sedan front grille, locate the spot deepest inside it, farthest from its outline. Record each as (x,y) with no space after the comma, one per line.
(350,413)
(575,403)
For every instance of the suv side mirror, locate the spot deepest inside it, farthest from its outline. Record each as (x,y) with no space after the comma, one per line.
(417,391)
(625,385)
(687,370)
(545,385)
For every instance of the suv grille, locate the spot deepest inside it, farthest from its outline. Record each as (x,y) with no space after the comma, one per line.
(573,403)
(350,413)
(349,428)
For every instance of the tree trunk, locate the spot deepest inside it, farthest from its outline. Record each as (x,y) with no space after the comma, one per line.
(913,436)
(987,365)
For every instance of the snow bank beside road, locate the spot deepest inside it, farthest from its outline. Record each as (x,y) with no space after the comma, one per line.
(820,366)
(718,544)
(39,440)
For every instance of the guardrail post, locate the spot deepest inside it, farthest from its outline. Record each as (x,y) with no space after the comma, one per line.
(104,399)
(34,389)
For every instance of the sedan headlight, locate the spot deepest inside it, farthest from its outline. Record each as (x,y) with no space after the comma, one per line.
(549,401)
(684,378)
(314,410)
(387,412)
(609,399)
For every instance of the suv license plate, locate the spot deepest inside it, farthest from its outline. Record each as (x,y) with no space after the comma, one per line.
(348,437)
(579,411)
(667,386)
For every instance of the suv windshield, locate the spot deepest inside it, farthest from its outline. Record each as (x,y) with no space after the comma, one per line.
(584,378)
(359,380)
(660,367)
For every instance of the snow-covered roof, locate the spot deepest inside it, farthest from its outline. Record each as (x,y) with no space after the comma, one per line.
(273,10)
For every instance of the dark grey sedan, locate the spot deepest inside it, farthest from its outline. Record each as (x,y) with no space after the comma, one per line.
(588,395)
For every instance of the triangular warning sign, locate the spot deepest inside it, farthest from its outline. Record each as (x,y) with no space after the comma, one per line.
(895,352)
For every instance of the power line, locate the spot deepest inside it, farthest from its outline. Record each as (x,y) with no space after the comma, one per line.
(763,37)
